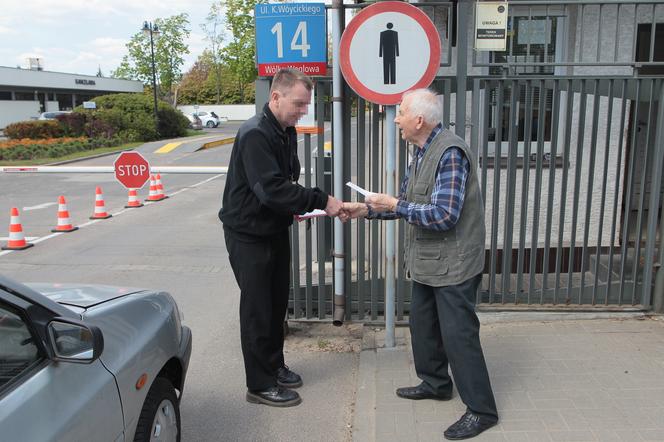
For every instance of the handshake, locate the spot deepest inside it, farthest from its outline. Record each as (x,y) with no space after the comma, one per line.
(378,202)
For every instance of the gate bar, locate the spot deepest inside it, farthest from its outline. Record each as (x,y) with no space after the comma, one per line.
(111,169)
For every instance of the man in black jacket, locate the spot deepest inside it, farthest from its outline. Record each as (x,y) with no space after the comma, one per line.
(260,199)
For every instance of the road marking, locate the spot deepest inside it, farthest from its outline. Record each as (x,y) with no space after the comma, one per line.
(168,147)
(37,239)
(39,206)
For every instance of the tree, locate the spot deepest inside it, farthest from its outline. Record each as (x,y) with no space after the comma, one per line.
(198,85)
(99,72)
(214,34)
(240,54)
(169,50)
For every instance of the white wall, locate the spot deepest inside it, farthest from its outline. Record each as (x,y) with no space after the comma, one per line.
(12,111)
(227,112)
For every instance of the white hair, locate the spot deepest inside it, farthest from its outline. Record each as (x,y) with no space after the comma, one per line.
(425,103)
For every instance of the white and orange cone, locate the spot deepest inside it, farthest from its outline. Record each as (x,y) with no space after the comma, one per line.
(160,187)
(16,238)
(156,194)
(132,200)
(64,224)
(100,207)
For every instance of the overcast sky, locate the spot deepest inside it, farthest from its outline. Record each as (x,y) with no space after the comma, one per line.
(78,36)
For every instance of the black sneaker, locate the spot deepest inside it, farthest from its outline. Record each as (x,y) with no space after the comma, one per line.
(274,397)
(287,378)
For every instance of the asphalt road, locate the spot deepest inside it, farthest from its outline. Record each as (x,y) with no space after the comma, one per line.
(177,245)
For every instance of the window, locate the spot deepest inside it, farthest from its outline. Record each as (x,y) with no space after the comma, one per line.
(532,39)
(18,351)
(25,96)
(5,95)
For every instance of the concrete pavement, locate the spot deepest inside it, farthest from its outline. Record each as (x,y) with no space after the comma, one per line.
(554,380)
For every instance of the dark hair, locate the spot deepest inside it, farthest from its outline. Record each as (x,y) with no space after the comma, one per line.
(286,79)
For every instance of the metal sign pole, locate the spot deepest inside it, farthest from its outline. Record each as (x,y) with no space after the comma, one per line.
(390,286)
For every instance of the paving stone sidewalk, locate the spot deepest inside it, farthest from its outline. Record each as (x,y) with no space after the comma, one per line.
(554,380)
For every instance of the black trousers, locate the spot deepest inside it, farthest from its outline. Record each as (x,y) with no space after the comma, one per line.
(445,331)
(261,270)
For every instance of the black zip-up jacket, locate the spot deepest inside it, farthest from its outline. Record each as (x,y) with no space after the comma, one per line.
(262,194)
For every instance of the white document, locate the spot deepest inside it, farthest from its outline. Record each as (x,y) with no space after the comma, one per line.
(313,214)
(358,189)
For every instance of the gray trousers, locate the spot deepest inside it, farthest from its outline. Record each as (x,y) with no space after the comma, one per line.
(445,331)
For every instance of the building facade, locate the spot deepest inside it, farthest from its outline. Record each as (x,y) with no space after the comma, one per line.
(25,93)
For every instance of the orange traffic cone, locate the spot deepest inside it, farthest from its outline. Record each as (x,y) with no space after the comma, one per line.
(133,200)
(154,194)
(160,187)
(64,225)
(100,207)
(16,238)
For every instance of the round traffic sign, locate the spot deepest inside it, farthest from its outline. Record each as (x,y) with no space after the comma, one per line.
(387,49)
(131,170)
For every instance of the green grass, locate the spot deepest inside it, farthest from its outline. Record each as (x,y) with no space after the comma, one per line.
(72,156)
(194,133)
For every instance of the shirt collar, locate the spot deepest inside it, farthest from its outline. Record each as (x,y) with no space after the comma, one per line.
(436,130)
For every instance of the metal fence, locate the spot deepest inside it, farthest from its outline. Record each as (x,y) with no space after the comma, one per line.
(571,152)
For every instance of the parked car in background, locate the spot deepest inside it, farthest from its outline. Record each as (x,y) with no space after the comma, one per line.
(194,121)
(51,115)
(82,362)
(209,119)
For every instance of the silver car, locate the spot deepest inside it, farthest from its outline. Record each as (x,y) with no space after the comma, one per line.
(90,363)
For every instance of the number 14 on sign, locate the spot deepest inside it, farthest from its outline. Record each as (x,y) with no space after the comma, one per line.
(300,33)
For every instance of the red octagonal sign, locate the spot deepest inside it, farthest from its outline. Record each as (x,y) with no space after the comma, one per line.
(131,170)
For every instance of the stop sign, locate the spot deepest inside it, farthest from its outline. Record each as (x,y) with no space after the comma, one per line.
(131,170)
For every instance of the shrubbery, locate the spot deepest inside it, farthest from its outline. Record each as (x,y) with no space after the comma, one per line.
(131,117)
(29,149)
(34,130)
(127,117)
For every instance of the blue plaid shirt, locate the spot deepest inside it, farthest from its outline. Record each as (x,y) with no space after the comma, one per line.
(448,194)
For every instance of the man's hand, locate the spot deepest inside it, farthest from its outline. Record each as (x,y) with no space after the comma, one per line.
(381,202)
(355,210)
(333,206)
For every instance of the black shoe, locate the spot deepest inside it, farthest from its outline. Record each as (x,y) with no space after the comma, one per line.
(287,378)
(421,392)
(274,397)
(470,425)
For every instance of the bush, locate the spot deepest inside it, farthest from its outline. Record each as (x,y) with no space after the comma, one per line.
(73,124)
(28,149)
(131,116)
(34,130)
(172,123)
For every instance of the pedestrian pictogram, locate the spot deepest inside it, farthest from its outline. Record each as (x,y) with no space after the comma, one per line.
(132,170)
(378,37)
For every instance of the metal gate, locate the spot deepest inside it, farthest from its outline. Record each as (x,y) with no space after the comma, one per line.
(568,124)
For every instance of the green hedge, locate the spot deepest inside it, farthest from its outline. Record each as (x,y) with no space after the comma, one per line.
(55,150)
(129,117)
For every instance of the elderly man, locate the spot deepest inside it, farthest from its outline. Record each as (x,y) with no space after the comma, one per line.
(440,200)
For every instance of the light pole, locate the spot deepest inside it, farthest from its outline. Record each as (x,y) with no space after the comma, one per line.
(153,31)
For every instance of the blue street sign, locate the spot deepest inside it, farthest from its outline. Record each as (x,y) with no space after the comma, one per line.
(291,35)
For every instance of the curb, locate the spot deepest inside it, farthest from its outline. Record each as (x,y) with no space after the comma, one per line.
(216,143)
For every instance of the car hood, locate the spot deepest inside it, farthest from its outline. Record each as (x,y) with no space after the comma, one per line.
(81,295)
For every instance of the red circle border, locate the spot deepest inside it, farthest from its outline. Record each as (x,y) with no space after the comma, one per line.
(375,9)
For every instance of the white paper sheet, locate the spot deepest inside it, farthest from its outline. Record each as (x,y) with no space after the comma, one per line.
(313,214)
(358,189)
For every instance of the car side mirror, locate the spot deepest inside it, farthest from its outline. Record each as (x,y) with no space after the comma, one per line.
(75,341)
